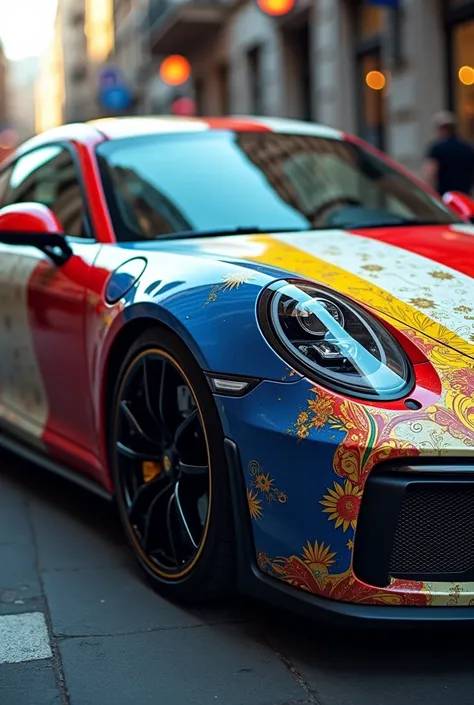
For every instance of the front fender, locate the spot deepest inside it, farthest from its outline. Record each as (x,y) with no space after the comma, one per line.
(209,303)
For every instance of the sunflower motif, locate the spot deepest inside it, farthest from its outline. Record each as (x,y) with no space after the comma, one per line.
(342,504)
(441,275)
(263,482)
(318,557)
(350,544)
(423,303)
(372,267)
(255,508)
(229,281)
(234,280)
(321,410)
(263,561)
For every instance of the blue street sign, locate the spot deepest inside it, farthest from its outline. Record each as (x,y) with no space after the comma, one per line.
(394,4)
(115,98)
(110,76)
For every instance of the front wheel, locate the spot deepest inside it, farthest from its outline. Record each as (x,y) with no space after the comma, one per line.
(170,475)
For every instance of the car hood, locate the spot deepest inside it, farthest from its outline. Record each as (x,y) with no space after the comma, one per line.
(420,276)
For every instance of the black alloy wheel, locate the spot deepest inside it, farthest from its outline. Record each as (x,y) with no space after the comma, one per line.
(168,462)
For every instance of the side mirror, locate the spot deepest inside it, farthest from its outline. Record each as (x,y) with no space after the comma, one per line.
(461,204)
(34,225)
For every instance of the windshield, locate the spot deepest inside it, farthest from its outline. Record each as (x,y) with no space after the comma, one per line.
(220,181)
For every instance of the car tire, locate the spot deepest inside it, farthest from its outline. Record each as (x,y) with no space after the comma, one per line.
(211,575)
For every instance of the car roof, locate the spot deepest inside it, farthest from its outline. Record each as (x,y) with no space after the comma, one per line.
(114,128)
(121,127)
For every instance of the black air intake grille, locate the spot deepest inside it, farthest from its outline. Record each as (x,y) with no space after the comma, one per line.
(435,531)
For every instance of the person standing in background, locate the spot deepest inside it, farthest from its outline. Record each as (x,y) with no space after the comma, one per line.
(449,164)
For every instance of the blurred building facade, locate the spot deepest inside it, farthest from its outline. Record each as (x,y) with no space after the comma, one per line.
(73,45)
(355,64)
(22,76)
(131,51)
(379,71)
(66,88)
(49,95)
(3,88)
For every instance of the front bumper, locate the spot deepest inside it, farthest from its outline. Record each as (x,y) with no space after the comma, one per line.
(311,467)
(255,583)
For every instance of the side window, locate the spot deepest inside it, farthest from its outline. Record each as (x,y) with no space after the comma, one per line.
(48,176)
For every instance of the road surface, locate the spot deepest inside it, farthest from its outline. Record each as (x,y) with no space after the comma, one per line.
(78,625)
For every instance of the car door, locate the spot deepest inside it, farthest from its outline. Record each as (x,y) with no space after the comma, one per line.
(44,382)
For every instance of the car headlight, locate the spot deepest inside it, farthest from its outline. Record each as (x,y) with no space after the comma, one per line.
(334,341)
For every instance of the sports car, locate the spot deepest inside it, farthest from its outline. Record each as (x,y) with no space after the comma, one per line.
(256,336)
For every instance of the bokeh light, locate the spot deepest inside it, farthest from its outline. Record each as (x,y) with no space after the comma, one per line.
(175,70)
(184,107)
(466,75)
(276,8)
(376,80)
(8,138)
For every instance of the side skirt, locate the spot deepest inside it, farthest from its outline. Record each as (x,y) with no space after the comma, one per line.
(35,456)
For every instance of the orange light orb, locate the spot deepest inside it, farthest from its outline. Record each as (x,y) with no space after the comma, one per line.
(375,80)
(175,70)
(276,8)
(466,75)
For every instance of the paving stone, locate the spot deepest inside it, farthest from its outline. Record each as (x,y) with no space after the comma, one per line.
(24,637)
(117,600)
(13,602)
(379,668)
(29,683)
(70,535)
(227,664)
(15,526)
(18,576)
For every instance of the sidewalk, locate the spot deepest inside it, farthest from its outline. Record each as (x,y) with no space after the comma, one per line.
(79,626)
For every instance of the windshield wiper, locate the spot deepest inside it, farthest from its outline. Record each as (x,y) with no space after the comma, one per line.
(222,232)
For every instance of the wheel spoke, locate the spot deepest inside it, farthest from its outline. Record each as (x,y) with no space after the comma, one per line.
(134,424)
(150,515)
(143,499)
(135,455)
(182,516)
(168,415)
(186,469)
(185,426)
(169,528)
(162,397)
(147,388)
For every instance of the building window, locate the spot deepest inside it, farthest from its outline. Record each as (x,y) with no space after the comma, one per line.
(254,60)
(298,64)
(370,21)
(460,22)
(199,96)
(223,88)
(78,73)
(371,79)
(78,17)
(463,66)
